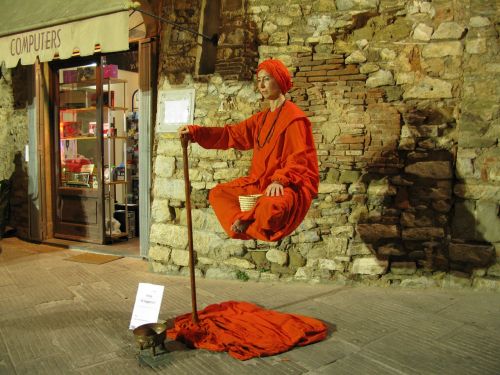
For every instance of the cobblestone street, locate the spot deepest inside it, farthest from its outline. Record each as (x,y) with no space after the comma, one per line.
(60,317)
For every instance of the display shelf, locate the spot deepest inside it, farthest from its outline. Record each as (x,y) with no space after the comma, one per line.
(90,83)
(90,109)
(79,138)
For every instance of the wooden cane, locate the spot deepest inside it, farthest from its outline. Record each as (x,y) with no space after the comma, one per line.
(187,188)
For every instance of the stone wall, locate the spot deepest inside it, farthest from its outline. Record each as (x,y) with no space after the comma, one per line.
(13,138)
(403,99)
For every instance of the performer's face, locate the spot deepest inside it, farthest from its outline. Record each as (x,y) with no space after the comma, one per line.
(268,86)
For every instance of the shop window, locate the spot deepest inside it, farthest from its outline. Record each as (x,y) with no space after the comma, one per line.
(211,23)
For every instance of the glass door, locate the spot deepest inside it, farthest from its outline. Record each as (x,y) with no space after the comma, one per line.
(79,211)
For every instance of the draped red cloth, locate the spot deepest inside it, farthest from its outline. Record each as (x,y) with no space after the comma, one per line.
(246,330)
(288,156)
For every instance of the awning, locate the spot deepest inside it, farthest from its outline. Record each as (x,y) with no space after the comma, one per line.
(43,29)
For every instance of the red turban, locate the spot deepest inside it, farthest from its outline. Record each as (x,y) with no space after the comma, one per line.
(279,72)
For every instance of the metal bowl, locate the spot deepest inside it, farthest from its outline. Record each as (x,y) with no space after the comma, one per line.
(151,335)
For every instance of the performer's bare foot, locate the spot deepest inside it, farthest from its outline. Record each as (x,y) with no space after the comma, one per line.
(240,226)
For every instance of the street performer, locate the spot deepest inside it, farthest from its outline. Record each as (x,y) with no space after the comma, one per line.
(284,165)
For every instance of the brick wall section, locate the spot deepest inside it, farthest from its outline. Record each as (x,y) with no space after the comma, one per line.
(383,85)
(237,55)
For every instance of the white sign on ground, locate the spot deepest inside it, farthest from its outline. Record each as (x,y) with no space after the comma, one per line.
(147,304)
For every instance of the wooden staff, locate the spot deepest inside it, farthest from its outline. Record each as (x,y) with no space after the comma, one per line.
(187,188)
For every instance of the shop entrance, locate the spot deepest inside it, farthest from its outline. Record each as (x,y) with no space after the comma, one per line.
(97,129)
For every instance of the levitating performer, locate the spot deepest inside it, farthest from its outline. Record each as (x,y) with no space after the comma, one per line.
(284,164)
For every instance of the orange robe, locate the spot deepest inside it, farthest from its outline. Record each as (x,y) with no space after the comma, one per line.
(245,330)
(288,157)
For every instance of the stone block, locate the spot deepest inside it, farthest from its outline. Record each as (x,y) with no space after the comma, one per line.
(422,32)
(180,257)
(360,249)
(296,259)
(494,271)
(403,268)
(220,273)
(476,46)
(206,242)
(325,188)
(165,166)
(487,221)
(331,265)
(425,233)
(202,219)
(418,282)
(169,188)
(307,236)
(387,54)
(335,245)
(381,187)
(486,284)
(169,147)
(442,49)
(368,68)
(374,232)
(356,57)
(159,253)
(227,174)
(348,5)
(279,38)
(429,88)
(369,266)
(169,234)
(430,169)
(473,190)
(277,256)
(449,30)
(160,211)
(304,273)
(239,263)
(347,177)
(477,255)
(479,21)
(380,78)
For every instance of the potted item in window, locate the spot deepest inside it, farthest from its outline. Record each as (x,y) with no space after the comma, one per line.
(86,73)
(110,71)
(71,129)
(120,172)
(79,179)
(75,164)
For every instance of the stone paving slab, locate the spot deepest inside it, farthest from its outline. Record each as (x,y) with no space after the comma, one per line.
(60,317)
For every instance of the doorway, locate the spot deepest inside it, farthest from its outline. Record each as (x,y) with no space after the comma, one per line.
(101,142)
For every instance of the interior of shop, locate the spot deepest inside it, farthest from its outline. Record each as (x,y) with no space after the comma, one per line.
(91,153)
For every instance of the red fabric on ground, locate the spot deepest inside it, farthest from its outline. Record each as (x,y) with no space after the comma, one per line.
(288,157)
(246,330)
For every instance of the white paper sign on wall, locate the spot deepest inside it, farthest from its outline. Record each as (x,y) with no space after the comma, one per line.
(147,304)
(176,108)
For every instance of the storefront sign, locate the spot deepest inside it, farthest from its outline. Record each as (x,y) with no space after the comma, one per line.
(63,40)
(147,304)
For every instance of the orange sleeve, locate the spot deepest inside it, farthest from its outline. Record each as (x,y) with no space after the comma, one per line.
(299,165)
(238,136)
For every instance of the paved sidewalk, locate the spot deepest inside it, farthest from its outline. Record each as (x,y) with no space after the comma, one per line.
(62,317)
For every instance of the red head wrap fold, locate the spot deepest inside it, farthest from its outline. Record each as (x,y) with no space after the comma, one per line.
(279,72)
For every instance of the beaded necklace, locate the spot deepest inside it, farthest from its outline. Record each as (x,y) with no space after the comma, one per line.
(271,130)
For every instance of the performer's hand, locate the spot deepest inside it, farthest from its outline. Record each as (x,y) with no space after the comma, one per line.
(183,130)
(275,189)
